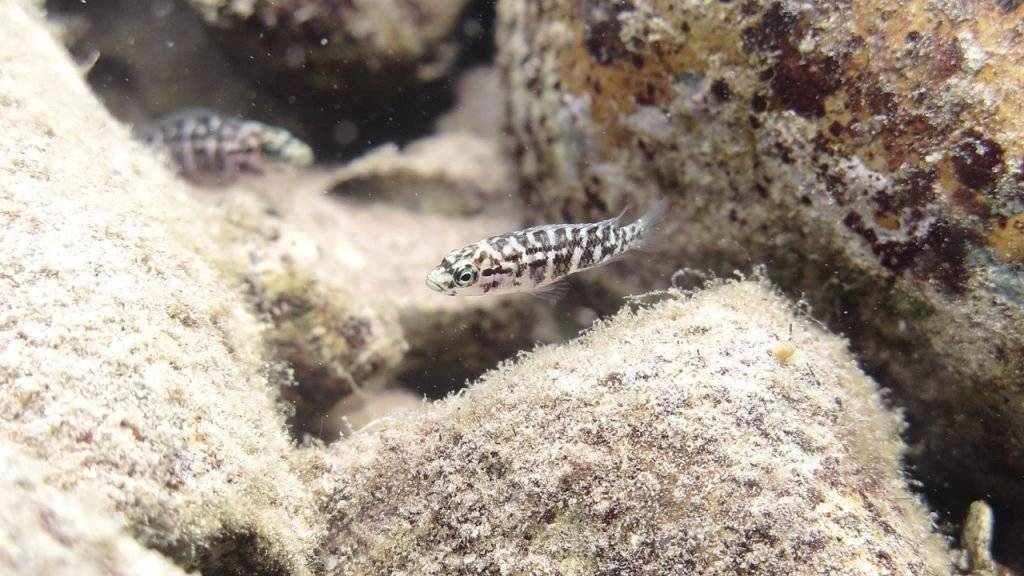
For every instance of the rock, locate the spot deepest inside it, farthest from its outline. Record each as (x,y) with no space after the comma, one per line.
(156,58)
(479,105)
(357,411)
(361,67)
(334,341)
(46,532)
(128,362)
(370,35)
(462,169)
(976,539)
(669,440)
(456,173)
(870,153)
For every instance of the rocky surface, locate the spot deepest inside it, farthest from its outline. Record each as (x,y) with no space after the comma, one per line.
(128,363)
(361,67)
(676,439)
(367,35)
(479,106)
(870,153)
(333,341)
(456,173)
(148,330)
(45,532)
(156,58)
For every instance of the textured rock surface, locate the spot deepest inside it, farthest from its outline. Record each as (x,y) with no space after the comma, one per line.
(869,152)
(371,35)
(332,341)
(126,361)
(674,440)
(363,65)
(45,532)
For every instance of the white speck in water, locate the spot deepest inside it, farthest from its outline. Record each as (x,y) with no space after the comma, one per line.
(323,41)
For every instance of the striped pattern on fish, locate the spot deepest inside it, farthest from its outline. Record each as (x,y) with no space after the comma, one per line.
(538,259)
(212,149)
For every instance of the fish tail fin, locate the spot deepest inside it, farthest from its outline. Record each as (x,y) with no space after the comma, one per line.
(651,224)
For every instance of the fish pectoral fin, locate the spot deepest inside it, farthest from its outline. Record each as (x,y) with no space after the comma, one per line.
(551,293)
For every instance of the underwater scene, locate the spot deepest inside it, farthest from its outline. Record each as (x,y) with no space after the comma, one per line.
(511,287)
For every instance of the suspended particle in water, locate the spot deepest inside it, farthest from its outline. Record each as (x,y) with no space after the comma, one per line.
(345,132)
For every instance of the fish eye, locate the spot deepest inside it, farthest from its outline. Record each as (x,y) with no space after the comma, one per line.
(466,276)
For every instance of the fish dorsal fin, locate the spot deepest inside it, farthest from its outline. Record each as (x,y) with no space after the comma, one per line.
(618,219)
(551,293)
(651,223)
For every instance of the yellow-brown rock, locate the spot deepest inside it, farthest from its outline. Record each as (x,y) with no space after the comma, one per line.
(869,152)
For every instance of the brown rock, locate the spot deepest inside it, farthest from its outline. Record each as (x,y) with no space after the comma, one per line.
(868,152)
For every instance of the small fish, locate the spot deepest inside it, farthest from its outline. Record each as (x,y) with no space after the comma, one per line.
(212,149)
(538,259)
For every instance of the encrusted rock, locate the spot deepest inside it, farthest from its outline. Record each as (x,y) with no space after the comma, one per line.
(127,361)
(333,341)
(349,59)
(669,440)
(976,540)
(372,34)
(46,532)
(869,152)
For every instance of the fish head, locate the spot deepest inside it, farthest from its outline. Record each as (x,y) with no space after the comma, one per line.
(458,274)
(278,145)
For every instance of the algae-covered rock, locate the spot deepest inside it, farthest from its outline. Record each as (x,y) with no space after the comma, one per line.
(333,340)
(869,152)
(976,540)
(366,35)
(717,434)
(46,532)
(127,360)
(344,63)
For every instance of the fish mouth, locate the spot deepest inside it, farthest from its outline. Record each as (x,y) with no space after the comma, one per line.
(435,286)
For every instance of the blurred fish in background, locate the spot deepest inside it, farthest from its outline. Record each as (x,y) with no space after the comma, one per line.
(213,150)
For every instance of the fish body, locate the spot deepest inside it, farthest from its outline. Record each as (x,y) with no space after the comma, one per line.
(212,149)
(538,259)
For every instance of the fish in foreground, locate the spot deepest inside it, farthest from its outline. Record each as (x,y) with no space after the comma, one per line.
(211,149)
(538,260)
